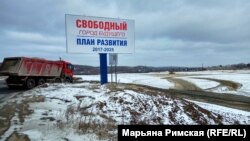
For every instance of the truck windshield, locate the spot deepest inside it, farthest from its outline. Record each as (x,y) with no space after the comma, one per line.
(70,66)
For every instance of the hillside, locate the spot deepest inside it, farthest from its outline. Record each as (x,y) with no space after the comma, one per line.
(92,112)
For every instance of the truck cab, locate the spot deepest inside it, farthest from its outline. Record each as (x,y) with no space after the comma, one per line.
(67,71)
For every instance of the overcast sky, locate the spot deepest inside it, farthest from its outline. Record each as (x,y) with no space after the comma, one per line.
(167,32)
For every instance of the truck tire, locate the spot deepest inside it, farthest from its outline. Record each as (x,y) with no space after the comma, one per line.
(41,81)
(58,80)
(67,80)
(30,83)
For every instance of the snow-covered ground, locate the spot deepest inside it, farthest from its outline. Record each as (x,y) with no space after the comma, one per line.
(88,111)
(83,111)
(227,113)
(2,82)
(241,77)
(199,78)
(69,109)
(135,78)
(201,83)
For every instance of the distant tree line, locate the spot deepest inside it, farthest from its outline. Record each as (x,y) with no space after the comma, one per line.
(239,66)
(90,70)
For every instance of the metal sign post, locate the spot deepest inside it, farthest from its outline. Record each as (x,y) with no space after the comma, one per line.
(116,73)
(103,68)
(111,73)
(113,61)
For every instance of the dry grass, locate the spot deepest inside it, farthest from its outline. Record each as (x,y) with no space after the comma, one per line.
(22,109)
(94,87)
(87,123)
(194,114)
(70,112)
(217,119)
(113,87)
(7,112)
(17,137)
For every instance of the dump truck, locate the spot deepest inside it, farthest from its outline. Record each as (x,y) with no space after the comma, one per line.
(31,72)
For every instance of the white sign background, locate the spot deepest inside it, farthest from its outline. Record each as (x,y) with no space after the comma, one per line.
(78,38)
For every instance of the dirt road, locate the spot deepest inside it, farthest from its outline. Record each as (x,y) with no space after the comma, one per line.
(229,84)
(181,84)
(227,100)
(188,90)
(6,93)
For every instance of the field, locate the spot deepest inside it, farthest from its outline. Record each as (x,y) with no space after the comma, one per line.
(86,110)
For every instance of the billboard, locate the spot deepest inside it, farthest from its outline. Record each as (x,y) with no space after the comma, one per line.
(86,34)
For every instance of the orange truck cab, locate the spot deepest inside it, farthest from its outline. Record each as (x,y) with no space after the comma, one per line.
(67,71)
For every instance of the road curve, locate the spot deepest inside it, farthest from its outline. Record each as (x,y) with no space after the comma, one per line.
(228,100)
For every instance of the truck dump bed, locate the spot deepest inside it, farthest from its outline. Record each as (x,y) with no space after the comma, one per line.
(22,66)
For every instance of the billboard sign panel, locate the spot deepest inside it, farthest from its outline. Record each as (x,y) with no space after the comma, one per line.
(85,34)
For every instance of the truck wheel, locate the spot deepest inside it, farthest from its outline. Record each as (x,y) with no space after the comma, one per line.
(30,83)
(41,81)
(67,80)
(58,80)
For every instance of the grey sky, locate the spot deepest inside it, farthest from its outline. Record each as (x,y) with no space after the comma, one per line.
(168,32)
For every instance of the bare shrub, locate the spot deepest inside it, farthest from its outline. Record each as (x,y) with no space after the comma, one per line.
(93,87)
(60,125)
(69,114)
(171,72)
